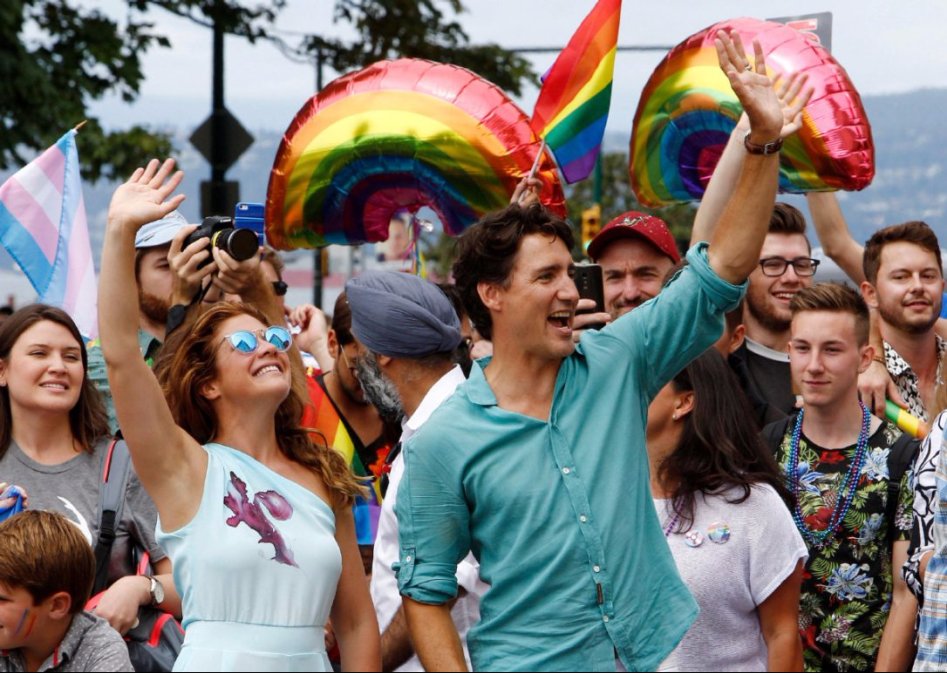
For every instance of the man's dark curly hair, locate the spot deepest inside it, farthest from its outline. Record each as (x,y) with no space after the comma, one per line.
(486,251)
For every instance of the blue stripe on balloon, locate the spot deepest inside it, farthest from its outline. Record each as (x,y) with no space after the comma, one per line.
(384,173)
(673,140)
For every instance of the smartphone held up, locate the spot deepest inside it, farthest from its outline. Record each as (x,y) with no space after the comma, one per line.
(591,285)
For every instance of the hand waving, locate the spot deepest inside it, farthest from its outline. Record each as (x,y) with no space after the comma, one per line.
(751,85)
(146,196)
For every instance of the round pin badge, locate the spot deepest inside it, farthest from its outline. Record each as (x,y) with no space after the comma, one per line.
(694,538)
(719,532)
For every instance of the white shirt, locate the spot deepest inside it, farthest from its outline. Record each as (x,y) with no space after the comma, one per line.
(731,579)
(384,586)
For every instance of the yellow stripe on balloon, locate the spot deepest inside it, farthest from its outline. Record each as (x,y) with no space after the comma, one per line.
(468,158)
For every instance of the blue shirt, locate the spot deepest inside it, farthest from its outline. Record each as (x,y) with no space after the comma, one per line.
(559,512)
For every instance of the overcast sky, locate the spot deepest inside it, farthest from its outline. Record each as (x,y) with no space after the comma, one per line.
(886,47)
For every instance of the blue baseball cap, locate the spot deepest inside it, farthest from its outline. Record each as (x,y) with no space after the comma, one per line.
(160,232)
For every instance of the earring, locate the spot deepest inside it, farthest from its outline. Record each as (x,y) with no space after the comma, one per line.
(674,416)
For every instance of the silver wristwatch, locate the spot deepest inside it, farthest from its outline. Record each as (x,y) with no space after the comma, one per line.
(156,591)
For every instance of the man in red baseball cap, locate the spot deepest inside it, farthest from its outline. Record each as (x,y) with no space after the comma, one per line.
(635,251)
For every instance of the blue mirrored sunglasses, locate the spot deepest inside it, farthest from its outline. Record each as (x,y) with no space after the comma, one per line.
(246,342)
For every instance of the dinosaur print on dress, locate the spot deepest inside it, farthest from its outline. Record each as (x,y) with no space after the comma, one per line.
(252,515)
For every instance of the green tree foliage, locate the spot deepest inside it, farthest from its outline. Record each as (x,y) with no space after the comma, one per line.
(57,56)
(418,29)
(618,197)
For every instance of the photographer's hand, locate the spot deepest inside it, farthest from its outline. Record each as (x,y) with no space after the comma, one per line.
(241,278)
(185,263)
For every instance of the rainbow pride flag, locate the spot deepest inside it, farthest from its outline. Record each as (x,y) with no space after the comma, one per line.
(573,103)
(43,227)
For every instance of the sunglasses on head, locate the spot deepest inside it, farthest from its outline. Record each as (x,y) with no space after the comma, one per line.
(246,342)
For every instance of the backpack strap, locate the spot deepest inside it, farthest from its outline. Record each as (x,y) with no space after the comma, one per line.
(115,472)
(775,432)
(900,459)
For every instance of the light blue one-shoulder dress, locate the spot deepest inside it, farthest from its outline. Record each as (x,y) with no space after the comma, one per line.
(257,568)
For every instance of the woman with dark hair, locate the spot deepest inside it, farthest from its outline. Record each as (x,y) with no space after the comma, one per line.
(256,517)
(54,438)
(719,496)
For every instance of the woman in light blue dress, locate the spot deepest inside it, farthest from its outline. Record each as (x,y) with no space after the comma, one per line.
(256,518)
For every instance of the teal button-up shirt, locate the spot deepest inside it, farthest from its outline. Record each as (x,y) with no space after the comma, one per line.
(559,512)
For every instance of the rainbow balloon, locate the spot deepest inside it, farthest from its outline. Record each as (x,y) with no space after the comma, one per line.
(400,135)
(912,425)
(687,111)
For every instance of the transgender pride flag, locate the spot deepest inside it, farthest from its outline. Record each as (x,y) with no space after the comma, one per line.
(43,227)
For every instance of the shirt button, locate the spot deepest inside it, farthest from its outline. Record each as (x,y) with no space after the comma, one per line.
(595,569)
(583,518)
(408,559)
(566,470)
(605,619)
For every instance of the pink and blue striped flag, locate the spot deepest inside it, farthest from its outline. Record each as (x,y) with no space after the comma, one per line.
(43,227)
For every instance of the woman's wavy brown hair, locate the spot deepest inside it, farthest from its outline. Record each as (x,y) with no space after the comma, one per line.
(194,364)
(87,419)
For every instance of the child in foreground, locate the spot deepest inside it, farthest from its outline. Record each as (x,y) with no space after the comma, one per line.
(46,574)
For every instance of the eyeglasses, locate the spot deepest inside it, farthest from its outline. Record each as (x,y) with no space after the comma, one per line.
(246,342)
(776,266)
(280,288)
(350,363)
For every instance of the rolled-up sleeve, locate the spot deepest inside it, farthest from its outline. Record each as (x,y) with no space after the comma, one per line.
(433,525)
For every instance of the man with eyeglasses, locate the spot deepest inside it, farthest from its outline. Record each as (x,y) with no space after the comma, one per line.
(786,267)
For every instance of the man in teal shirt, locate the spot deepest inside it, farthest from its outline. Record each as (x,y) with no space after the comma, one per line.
(538,463)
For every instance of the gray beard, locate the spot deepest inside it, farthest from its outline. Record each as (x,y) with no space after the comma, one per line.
(378,389)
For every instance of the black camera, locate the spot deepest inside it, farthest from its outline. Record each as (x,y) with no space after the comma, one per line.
(241,244)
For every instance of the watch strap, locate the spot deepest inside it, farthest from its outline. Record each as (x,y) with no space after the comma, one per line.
(771,147)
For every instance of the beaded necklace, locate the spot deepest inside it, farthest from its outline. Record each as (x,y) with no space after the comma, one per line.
(846,488)
(672,523)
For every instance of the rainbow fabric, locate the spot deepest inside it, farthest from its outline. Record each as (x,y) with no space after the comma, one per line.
(43,227)
(320,414)
(573,103)
(399,135)
(687,111)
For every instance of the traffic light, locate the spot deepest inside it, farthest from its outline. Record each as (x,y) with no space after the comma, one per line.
(591,224)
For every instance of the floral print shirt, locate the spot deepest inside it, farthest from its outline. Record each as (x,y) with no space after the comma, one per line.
(846,589)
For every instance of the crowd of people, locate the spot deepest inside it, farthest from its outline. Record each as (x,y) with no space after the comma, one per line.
(480,475)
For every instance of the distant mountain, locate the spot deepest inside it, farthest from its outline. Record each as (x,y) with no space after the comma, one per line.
(909,131)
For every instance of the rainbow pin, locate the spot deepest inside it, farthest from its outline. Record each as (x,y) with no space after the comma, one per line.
(912,425)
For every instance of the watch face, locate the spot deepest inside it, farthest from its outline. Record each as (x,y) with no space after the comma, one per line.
(157,591)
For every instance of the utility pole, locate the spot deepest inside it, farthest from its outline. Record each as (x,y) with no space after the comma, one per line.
(317,267)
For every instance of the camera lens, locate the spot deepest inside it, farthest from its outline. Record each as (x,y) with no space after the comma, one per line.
(241,244)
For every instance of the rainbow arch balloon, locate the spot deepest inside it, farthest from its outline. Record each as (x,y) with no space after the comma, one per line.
(400,135)
(687,111)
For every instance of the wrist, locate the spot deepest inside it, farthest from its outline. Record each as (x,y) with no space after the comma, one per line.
(759,143)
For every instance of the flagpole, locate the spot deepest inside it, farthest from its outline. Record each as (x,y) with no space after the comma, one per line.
(539,156)
(80,125)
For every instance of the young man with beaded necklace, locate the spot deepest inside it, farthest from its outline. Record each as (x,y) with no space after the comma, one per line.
(835,456)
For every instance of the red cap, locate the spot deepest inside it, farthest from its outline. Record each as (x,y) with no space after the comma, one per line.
(636,225)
